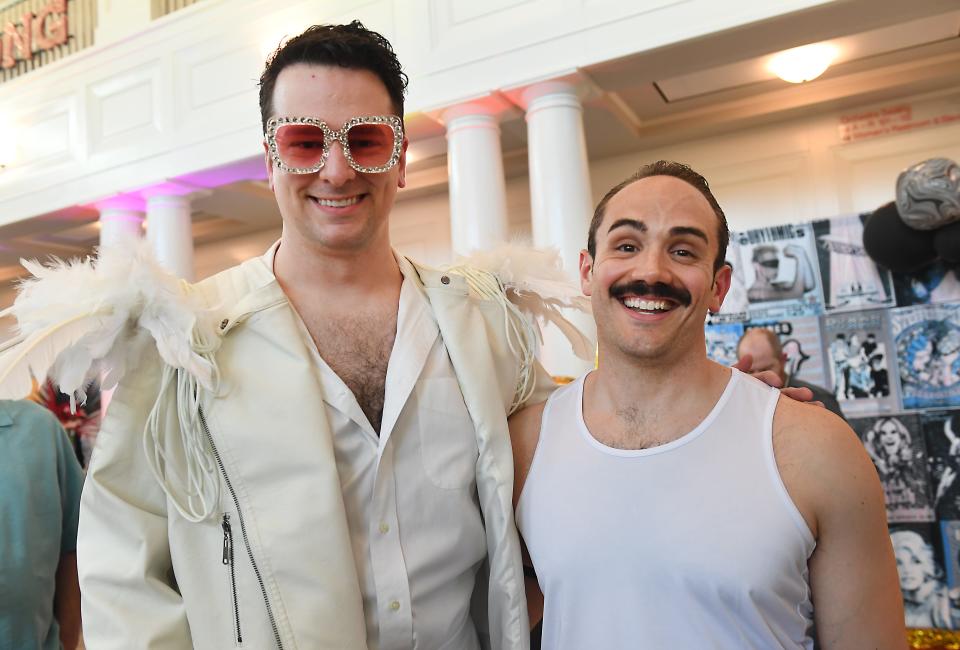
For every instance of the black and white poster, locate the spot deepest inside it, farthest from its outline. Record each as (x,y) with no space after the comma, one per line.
(780,271)
(895,445)
(941,431)
(919,553)
(928,354)
(735,307)
(851,280)
(860,361)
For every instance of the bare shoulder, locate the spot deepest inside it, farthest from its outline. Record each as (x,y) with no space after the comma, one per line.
(821,461)
(524,436)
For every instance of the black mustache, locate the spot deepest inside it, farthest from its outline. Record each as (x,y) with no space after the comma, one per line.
(658,289)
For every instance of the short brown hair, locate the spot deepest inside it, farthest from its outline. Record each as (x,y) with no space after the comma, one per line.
(351,46)
(665,168)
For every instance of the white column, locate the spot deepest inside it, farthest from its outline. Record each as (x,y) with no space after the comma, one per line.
(169,232)
(561,201)
(478,194)
(120,222)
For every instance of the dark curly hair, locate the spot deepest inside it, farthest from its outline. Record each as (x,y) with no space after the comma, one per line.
(348,46)
(677,170)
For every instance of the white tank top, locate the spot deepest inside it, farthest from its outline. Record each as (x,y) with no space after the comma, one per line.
(692,544)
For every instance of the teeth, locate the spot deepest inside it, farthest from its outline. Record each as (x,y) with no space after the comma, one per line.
(645,305)
(337,203)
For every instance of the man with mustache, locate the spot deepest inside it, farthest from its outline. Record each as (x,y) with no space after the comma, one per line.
(668,501)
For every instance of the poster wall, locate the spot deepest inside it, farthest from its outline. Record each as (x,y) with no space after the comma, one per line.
(887,345)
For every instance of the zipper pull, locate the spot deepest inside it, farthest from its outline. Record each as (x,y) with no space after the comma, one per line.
(227,540)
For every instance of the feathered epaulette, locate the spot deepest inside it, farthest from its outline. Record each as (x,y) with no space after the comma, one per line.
(79,320)
(89,319)
(534,289)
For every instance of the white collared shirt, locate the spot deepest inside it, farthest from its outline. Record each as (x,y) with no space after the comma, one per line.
(410,493)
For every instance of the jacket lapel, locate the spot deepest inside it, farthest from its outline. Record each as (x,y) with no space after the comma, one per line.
(271,406)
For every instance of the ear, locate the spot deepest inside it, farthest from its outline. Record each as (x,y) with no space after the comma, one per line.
(586,272)
(268,161)
(402,164)
(721,285)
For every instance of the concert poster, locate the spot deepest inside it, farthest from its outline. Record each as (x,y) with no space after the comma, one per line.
(927,339)
(860,361)
(851,280)
(780,271)
(941,432)
(896,446)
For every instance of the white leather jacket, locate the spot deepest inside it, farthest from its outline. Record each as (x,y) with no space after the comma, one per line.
(273,568)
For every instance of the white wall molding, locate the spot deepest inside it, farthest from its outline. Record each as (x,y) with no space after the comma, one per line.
(180,95)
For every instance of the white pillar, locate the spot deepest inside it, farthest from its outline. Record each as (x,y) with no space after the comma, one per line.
(120,222)
(561,201)
(478,194)
(169,232)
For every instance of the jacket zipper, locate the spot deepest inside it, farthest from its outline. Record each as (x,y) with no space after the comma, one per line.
(228,561)
(243,530)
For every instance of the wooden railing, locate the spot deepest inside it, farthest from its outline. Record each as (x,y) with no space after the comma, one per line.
(44,22)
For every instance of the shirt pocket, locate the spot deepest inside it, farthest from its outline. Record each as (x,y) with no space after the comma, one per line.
(448,440)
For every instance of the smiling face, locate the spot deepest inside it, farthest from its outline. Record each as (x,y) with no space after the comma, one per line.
(336,208)
(890,437)
(652,279)
(911,568)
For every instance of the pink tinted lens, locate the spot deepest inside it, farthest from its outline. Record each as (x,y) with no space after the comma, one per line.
(300,145)
(371,145)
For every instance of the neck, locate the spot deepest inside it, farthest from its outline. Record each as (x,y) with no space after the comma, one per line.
(338,282)
(630,378)
(317,274)
(654,400)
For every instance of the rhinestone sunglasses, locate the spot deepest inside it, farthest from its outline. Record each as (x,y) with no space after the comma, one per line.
(300,145)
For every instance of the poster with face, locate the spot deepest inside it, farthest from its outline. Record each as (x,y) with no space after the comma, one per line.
(919,553)
(851,280)
(933,284)
(859,358)
(927,341)
(895,445)
(780,271)
(722,340)
(941,432)
(950,539)
(801,342)
(735,307)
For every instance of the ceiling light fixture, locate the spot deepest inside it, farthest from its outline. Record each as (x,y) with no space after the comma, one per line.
(802,63)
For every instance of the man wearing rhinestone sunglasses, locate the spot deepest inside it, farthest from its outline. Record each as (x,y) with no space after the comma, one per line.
(348,483)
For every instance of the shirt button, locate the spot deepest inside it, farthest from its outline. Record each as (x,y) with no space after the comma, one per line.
(394,605)
(445,279)
(384,528)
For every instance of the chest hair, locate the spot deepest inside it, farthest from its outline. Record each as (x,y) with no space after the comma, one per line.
(357,348)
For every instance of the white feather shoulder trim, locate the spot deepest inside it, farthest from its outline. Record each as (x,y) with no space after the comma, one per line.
(534,290)
(77,319)
(85,319)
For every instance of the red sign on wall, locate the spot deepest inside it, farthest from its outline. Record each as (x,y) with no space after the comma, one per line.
(34,33)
